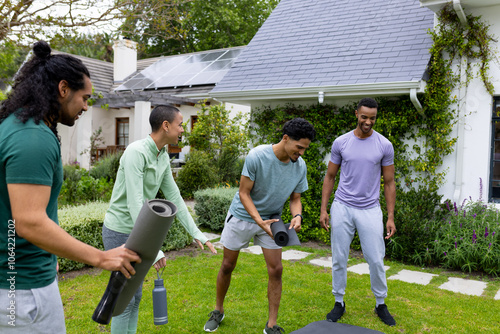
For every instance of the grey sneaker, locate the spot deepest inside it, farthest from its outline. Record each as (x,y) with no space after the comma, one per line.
(274,330)
(214,321)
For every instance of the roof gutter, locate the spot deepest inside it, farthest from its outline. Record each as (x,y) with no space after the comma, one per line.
(351,90)
(461,105)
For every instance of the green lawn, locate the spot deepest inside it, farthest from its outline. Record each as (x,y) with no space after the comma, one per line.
(190,283)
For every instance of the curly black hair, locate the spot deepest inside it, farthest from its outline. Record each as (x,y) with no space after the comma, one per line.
(35,91)
(299,128)
(367,102)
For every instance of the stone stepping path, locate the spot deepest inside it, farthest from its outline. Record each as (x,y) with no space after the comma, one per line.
(454,284)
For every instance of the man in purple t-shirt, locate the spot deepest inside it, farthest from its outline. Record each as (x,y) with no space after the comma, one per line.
(362,155)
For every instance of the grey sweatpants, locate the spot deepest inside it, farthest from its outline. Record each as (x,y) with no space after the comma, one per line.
(344,222)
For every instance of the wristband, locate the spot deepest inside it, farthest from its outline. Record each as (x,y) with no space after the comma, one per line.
(301,218)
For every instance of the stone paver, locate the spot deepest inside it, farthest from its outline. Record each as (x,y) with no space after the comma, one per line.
(411,276)
(460,285)
(322,261)
(211,236)
(293,254)
(253,250)
(218,244)
(362,268)
(465,286)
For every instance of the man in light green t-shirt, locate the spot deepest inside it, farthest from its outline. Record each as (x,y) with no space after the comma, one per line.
(144,169)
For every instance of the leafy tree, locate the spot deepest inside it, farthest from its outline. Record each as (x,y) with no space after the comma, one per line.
(185,26)
(11,58)
(97,46)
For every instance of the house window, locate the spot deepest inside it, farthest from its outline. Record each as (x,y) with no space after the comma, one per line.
(494,192)
(194,119)
(122,132)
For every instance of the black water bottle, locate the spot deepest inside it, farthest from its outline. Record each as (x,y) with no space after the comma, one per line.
(104,311)
(160,302)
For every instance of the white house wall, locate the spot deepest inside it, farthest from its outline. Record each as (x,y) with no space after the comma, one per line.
(476,116)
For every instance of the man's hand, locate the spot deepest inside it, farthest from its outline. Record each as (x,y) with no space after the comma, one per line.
(324,220)
(296,223)
(266,226)
(391,228)
(160,263)
(118,259)
(208,244)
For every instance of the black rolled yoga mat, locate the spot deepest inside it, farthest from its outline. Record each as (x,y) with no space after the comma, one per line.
(282,235)
(327,327)
(147,236)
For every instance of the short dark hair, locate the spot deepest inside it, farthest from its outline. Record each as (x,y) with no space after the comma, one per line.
(367,102)
(299,128)
(161,114)
(35,92)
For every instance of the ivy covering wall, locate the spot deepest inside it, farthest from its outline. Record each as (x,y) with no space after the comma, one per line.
(421,140)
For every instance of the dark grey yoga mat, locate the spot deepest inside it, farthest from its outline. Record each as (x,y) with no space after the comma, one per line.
(282,235)
(150,229)
(327,327)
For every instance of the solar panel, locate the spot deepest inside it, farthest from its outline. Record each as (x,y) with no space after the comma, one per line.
(184,70)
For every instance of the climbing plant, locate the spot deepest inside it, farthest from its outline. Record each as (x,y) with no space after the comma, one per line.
(421,140)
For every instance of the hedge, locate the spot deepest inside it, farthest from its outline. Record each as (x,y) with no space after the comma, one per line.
(84,223)
(212,205)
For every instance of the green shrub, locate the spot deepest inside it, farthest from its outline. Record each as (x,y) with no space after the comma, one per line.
(80,187)
(212,205)
(415,209)
(84,223)
(107,167)
(198,173)
(467,238)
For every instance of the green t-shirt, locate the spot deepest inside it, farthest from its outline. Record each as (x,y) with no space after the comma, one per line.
(29,153)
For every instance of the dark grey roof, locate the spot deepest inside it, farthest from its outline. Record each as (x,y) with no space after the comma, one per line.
(101,72)
(127,99)
(313,43)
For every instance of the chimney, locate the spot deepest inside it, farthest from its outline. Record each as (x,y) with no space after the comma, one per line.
(125,59)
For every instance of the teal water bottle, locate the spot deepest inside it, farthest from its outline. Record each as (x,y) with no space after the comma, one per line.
(160,302)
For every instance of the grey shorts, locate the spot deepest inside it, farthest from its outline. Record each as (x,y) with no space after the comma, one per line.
(237,234)
(32,311)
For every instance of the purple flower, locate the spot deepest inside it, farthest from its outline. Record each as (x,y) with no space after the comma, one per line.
(455,244)
(460,225)
(444,253)
(486,232)
(474,215)
(493,234)
(455,206)
(448,205)
(465,212)
(489,245)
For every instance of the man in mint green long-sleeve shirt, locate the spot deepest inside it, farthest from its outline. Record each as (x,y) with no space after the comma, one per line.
(144,169)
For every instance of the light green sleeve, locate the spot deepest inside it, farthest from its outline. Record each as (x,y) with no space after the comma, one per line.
(133,167)
(172,193)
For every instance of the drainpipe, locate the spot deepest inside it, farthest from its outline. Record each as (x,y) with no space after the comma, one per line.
(415,101)
(462,95)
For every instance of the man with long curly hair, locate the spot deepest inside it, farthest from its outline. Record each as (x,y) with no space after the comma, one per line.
(49,89)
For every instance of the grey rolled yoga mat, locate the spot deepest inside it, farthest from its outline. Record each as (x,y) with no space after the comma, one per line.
(281,233)
(147,236)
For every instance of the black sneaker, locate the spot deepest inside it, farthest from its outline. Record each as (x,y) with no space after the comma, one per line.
(273,330)
(384,315)
(336,313)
